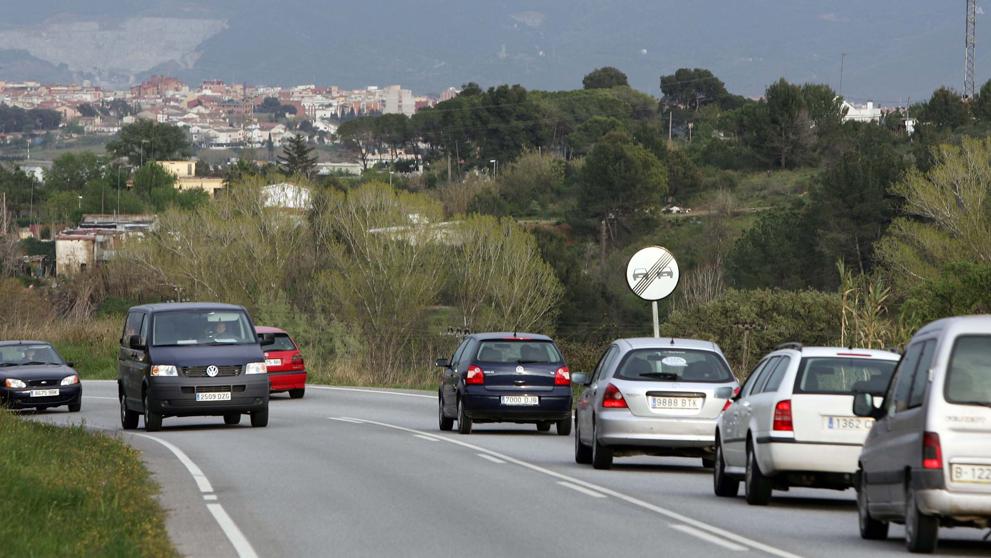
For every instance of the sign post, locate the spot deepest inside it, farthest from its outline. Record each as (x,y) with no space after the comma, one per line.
(653,274)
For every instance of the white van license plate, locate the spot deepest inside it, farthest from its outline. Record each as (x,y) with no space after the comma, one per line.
(520,400)
(849,424)
(214,396)
(978,474)
(690,403)
(44,392)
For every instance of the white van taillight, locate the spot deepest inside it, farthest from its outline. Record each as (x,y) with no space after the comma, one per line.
(562,376)
(475,375)
(932,453)
(782,417)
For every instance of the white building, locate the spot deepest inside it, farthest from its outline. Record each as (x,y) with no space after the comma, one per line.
(399,101)
(860,113)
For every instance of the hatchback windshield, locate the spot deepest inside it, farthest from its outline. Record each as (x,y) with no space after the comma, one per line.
(969,379)
(519,352)
(28,355)
(674,365)
(843,375)
(282,343)
(202,327)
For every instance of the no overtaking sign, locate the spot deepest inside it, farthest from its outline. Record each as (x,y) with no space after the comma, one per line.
(652,273)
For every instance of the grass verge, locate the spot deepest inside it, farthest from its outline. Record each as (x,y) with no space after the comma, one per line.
(70,492)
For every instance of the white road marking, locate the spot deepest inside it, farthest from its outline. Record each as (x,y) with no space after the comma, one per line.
(490,458)
(718,532)
(427,438)
(379,391)
(581,489)
(210,497)
(342,419)
(708,537)
(201,481)
(241,544)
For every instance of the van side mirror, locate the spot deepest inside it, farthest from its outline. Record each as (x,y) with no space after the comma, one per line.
(442,363)
(266,339)
(580,378)
(863,406)
(134,342)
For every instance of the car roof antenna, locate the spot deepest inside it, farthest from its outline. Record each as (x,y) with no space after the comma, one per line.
(672,340)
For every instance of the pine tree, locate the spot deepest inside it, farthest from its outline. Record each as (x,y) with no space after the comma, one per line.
(297,158)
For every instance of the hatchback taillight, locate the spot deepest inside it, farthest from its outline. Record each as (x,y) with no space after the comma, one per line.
(782,417)
(612,398)
(297,362)
(474,375)
(562,376)
(932,453)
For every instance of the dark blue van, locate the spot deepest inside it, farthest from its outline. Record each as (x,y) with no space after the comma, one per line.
(191,359)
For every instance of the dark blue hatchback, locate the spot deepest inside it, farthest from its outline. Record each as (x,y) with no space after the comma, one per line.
(505,377)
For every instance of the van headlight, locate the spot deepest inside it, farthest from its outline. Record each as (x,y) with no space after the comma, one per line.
(255,368)
(164,370)
(14,383)
(70,380)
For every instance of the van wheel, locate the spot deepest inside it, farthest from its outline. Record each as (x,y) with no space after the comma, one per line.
(563,427)
(722,485)
(232,418)
(297,393)
(921,530)
(153,421)
(601,455)
(870,528)
(464,422)
(757,486)
(543,427)
(128,418)
(583,453)
(259,419)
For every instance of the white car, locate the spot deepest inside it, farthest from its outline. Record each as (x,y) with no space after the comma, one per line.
(792,422)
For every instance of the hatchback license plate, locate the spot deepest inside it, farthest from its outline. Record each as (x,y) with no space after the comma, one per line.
(520,400)
(977,474)
(44,392)
(850,424)
(214,396)
(689,403)
(273,362)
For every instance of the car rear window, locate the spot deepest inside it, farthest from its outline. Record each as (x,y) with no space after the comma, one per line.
(282,343)
(843,375)
(673,365)
(968,381)
(518,352)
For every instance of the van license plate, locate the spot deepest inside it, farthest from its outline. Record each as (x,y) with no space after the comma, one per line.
(44,392)
(520,400)
(690,403)
(849,424)
(977,474)
(214,396)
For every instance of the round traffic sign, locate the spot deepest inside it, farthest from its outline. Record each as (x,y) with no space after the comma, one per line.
(652,273)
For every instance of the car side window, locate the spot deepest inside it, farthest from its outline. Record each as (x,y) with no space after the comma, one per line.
(145,327)
(920,383)
(897,399)
(457,354)
(775,376)
(755,377)
(604,362)
(132,326)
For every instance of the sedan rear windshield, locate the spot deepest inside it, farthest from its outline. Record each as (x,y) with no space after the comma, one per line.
(282,343)
(28,355)
(519,352)
(674,365)
(969,379)
(843,375)
(202,327)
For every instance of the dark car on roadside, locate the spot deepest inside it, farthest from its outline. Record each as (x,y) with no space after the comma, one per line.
(33,375)
(505,377)
(191,359)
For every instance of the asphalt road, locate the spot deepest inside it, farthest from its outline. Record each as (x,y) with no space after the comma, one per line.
(348,472)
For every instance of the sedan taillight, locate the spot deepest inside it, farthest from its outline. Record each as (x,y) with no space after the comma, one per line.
(562,377)
(474,375)
(612,398)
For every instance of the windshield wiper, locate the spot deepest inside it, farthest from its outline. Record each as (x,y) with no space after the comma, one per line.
(36,363)
(531,362)
(9,364)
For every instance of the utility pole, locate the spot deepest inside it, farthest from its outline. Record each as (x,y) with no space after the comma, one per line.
(5,214)
(842,62)
(670,123)
(969,41)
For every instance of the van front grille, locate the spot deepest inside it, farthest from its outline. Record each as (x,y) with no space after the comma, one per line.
(200,371)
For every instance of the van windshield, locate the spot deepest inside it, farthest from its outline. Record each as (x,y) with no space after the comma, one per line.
(202,327)
(969,379)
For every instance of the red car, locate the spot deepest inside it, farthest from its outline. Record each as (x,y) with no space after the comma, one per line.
(286,368)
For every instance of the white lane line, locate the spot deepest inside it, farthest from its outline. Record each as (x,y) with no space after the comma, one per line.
(241,544)
(427,438)
(581,489)
(342,419)
(708,537)
(99,397)
(201,481)
(700,525)
(490,458)
(379,391)
(210,497)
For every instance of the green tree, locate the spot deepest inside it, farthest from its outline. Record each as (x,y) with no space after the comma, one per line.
(297,158)
(147,140)
(790,134)
(359,135)
(778,251)
(982,104)
(604,78)
(960,288)
(619,178)
(945,109)
(156,186)
(692,88)
(72,171)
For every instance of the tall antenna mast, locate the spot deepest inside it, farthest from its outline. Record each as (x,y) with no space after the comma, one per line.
(968,70)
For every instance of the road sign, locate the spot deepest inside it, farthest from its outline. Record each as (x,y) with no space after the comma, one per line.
(652,273)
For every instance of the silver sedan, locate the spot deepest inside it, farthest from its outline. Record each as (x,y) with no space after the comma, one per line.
(652,396)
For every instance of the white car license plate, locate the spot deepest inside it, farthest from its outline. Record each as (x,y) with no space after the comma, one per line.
(977,474)
(849,424)
(520,400)
(273,362)
(689,403)
(214,396)
(44,392)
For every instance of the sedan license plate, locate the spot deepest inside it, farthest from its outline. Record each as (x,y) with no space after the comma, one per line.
(976,474)
(273,362)
(848,424)
(520,400)
(44,392)
(214,396)
(689,403)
